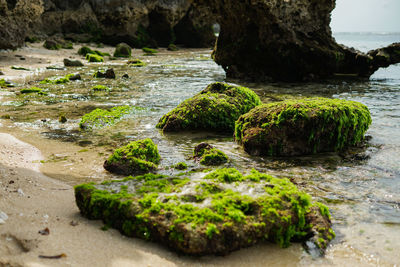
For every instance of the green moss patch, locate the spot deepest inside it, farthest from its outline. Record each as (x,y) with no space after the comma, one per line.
(207,155)
(149,51)
(33,90)
(136,63)
(180,166)
(5,84)
(61,80)
(304,126)
(137,157)
(94,58)
(209,215)
(102,117)
(100,88)
(84,50)
(215,108)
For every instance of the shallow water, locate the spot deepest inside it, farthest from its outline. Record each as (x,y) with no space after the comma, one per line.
(363,195)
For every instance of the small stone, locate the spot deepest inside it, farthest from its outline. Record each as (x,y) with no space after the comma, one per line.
(75,77)
(20,192)
(125,76)
(1,73)
(72,63)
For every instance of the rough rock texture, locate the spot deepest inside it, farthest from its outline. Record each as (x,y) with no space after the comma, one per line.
(135,158)
(215,214)
(16,16)
(286,40)
(305,126)
(215,108)
(138,23)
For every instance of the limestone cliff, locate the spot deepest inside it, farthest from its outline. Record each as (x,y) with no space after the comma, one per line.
(287,40)
(136,22)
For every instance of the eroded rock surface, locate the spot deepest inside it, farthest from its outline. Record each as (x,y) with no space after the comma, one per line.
(16,17)
(287,40)
(215,214)
(138,23)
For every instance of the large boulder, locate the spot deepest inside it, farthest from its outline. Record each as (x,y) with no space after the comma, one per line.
(215,108)
(285,40)
(135,158)
(215,214)
(305,126)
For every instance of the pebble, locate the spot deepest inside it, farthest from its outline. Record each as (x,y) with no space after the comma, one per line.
(3,217)
(20,192)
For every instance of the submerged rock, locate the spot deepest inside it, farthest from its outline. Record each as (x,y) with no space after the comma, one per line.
(216,214)
(123,50)
(215,108)
(137,157)
(305,126)
(101,117)
(207,155)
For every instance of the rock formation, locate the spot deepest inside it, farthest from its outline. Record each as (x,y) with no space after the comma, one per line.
(138,23)
(287,40)
(15,17)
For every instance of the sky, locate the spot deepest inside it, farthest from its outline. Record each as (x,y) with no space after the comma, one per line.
(366,16)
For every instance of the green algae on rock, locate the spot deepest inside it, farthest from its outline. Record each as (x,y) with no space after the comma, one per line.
(101,117)
(208,155)
(304,126)
(137,157)
(33,90)
(94,58)
(215,108)
(100,88)
(216,214)
(84,50)
(149,51)
(6,84)
(123,50)
(180,166)
(136,63)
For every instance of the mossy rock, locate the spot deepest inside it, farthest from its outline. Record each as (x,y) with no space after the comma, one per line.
(102,117)
(180,166)
(52,44)
(215,108)
(172,47)
(136,63)
(123,50)
(149,51)
(62,80)
(6,84)
(137,157)
(304,126)
(32,90)
(215,214)
(94,58)
(84,50)
(207,155)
